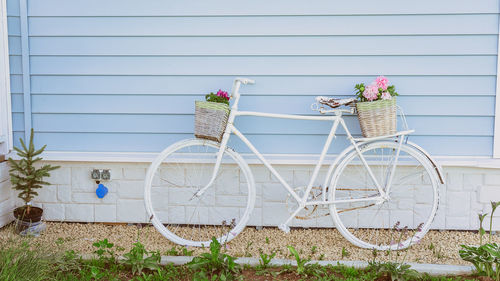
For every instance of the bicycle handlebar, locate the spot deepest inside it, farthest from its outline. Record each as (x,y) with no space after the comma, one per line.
(245,80)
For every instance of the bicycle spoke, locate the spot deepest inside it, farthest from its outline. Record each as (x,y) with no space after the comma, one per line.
(369,224)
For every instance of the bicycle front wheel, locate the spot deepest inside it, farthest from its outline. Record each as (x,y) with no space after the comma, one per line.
(404,215)
(183,215)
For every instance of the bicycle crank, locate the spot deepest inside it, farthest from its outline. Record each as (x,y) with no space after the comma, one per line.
(308,212)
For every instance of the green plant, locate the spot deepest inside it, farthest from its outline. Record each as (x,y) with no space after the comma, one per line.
(482,232)
(104,251)
(182,251)
(345,253)
(248,249)
(395,270)
(314,249)
(378,90)
(485,257)
(301,263)
(214,265)
(265,259)
(24,175)
(22,261)
(139,258)
(220,97)
(494,206)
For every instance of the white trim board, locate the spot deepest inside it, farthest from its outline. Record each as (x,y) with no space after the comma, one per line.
(496,129)
(283,159)
(5,102)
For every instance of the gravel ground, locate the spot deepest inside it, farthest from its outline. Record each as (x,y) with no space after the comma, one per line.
(440,247)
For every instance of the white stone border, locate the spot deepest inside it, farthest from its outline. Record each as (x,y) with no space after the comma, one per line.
(433,269)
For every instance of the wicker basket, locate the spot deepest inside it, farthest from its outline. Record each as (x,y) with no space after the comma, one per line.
(210,120)
(377,118)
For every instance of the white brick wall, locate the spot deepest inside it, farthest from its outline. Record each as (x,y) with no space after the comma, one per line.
(467,192)
(6,195)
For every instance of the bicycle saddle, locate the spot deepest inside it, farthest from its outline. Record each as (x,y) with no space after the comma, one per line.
(333,102)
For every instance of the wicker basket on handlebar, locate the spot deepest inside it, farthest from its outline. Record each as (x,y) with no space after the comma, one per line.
(210,120)
(377,118)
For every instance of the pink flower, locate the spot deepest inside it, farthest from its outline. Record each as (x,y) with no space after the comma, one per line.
(371,92)
(382,82)
(223,94)
(386,96)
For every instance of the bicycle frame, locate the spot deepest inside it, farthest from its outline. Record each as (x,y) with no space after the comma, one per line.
(302,201)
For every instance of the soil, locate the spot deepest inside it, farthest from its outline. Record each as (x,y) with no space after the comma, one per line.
(34,215)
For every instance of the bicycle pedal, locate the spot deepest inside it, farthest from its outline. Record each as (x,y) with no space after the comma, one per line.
(285,228)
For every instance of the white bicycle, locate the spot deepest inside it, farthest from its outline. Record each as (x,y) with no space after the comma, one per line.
(378,190)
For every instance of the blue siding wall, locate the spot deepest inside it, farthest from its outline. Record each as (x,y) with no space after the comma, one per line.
(122,75)
(16,76)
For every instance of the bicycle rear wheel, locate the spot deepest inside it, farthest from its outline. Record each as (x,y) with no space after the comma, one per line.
(173,180)
(397,221)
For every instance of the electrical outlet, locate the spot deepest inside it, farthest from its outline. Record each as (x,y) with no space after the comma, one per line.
(95,174)
(106,174)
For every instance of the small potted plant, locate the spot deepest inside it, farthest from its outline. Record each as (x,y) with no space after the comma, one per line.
(26,178)
(211,116)
(376,107)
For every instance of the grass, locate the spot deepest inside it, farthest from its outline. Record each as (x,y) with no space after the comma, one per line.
(24,259)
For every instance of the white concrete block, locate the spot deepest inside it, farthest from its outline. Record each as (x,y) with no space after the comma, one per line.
(227,179)
(159,198)
(274,214)
(230,187)
(83,197)
(260,174)
(258,188)
(105,213)
(424,194)
(274,192)
(53,212)
(7,206)
(489,193)
(457,222)
(80,179)
(182,196)
(170,176)
(5,191)
(129,210)
(64,193)
(458,204)
(6,219)
(79,212)
(405,218)
(285,172)
(60,176)
(475,205)
(231,201)
(176,214)
(454,180)
(4,171)
(255,218)
(439,220)
(130,189)
(472,182)
(47,193)
(366,219)
(492,179)
(301,178)
(325,221)
(134,173)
